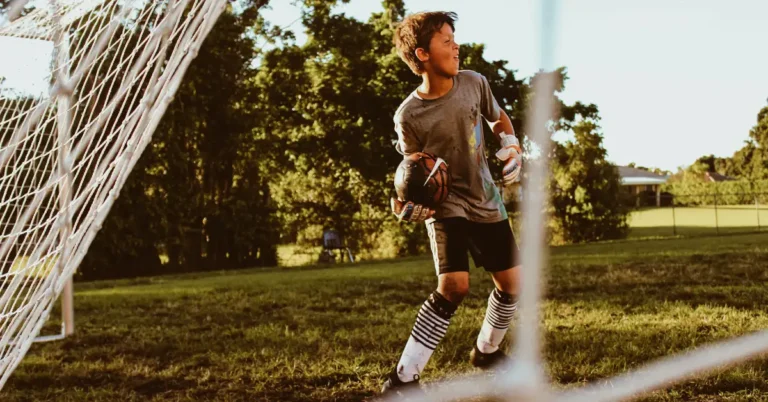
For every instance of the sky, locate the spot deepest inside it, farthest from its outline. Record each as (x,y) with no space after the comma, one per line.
(29,71)
(673,79)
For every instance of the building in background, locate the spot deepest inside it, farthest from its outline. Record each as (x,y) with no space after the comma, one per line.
(637,182)
(717,177)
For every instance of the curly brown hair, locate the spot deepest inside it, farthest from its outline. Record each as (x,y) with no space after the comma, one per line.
(416,31)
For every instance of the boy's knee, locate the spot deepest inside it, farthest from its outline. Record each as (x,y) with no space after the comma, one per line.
(508,281)
(455,292)
(453,286)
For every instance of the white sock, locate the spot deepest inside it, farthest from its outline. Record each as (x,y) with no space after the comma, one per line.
(415,357)
(500,312)
(430,327)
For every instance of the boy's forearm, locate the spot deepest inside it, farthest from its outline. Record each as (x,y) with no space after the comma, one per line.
(503,125)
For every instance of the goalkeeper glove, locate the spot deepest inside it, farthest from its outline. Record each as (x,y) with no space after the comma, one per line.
(410,212)
(512,156)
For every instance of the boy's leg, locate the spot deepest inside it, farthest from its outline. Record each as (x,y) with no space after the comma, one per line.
(431,324)
(502,306)
(495,249)
(448,240)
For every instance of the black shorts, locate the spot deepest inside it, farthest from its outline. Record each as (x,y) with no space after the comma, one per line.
(492,245)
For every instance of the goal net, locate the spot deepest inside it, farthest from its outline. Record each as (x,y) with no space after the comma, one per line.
(111,67)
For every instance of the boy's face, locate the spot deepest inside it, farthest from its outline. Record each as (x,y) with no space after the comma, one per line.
(443,56)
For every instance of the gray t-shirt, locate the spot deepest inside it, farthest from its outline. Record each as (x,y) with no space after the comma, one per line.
(450,127)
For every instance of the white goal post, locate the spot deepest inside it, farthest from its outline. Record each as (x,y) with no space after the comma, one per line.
(66,152)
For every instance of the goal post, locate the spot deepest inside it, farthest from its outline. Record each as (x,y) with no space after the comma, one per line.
(65,152)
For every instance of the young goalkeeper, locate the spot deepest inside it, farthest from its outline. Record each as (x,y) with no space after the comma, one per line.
(442,117)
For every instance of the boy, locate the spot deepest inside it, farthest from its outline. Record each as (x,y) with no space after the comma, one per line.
(442,117)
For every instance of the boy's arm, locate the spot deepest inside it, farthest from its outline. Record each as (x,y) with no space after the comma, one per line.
(498,120)
(406,142)
(510,153)
(501,125)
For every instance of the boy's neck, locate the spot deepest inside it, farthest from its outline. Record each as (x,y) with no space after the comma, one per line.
(434,86)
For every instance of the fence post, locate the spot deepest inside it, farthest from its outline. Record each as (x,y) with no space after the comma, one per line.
(717,222)
(674,221)
(658,196)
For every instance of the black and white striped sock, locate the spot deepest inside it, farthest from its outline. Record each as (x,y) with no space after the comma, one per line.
(430,327)
(499,314)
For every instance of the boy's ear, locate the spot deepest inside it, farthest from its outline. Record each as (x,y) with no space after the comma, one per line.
(422,54)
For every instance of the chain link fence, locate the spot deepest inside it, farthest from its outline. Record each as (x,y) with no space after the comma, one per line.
(702,214)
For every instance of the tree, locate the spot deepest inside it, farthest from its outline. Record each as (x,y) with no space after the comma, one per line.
(713,164)
(197,197)
(326,115)
(248,156)
(326,108)
(756,164)
(586,193)
(751,161)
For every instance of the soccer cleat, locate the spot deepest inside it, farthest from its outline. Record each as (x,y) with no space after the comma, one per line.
(397,389)
(487,361)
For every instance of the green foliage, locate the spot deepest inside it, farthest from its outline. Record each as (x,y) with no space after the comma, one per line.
(325,111)
(586,195)
(329,106)
(198,197)
(751,161)
(267,147)
(749,165)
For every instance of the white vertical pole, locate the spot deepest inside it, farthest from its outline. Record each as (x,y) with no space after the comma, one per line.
(68,309)
(63,120)
(527,376)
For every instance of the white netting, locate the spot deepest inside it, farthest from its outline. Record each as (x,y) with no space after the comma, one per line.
(66,153)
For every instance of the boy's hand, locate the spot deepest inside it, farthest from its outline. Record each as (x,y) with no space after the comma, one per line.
(512,156)
(410,212)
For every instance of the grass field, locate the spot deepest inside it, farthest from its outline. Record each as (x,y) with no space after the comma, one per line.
(694,221)
(331,334)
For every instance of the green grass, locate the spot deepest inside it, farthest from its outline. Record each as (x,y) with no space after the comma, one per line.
(291,255)
(37,270)
(331,334)
(696,221)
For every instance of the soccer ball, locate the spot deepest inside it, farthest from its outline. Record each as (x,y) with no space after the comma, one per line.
(424,179)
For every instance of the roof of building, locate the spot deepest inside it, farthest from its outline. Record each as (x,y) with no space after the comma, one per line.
(714,176)
(637,177)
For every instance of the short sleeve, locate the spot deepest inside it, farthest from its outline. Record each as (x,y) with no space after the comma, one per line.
(407,143)
(488,106)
